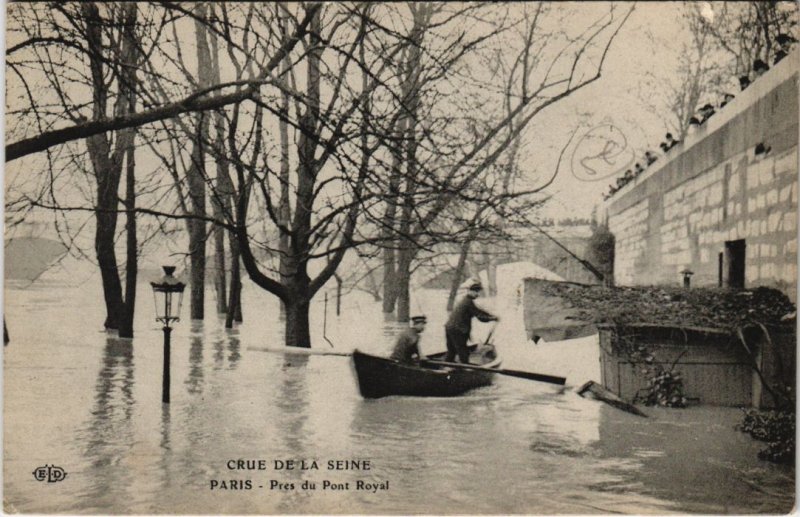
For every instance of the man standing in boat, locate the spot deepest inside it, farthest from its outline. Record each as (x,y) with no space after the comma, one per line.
(407,344)
(459,324)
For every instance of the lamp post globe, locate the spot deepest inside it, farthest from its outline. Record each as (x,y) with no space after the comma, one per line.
(168,296)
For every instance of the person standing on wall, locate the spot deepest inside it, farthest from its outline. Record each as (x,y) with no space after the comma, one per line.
(459,324)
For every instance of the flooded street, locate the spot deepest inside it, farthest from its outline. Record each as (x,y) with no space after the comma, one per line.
(91,404)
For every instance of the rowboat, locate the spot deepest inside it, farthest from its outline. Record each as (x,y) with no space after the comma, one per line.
(380,377)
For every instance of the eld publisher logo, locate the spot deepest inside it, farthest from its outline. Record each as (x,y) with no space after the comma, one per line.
(49,473)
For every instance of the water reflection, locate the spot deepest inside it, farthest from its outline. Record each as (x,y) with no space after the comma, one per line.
(114,386)
(219,353)
(194,381)
(292,402)
(669,453)
(165,442)
(226,340)
(109,432)
(233,351)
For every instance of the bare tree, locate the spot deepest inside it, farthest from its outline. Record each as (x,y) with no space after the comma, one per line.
(82,127)
(545,69)
(747,31)
(725,39)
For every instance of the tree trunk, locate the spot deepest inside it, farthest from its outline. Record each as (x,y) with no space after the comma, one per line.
(109,273)
(221,201)
(403,295)
(405,258)
(235,303)
(196,175)
(297,322)
(128,89)
(197,232)
(107,169)
(389,224)
(296,265)
(220,282)
(489,263)
(131,264)
(284,204)
(491,274)
(338,294)
(389,281)
(407,252)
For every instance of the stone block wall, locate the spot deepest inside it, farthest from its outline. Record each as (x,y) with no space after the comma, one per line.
(712,189)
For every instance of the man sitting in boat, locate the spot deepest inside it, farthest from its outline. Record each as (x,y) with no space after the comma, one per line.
(459,324)
(407,345)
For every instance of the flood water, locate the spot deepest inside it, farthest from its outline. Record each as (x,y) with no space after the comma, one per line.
(89,403)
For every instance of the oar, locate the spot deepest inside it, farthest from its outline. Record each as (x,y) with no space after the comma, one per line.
(489,335)
(552,379)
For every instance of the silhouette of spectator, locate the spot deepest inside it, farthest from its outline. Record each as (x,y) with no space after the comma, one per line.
(694,124)
(744,82)
(728,97)
(671,142)
(760,67)
(784,46)
(706,112)
(650,157)
(638,171)
(762,148)
(663,146)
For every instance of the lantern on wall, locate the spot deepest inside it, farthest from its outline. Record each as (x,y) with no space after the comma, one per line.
(687,277)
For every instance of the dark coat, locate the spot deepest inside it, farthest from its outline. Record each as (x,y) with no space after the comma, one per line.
(406,346)
(461,317)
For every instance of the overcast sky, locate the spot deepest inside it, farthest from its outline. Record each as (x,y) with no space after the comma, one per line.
(649,42)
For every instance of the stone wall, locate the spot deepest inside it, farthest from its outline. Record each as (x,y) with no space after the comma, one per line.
(713,189)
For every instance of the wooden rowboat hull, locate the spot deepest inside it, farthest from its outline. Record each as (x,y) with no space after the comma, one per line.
(381,377)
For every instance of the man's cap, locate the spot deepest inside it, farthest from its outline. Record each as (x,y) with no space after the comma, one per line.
(419,319)
(475,285)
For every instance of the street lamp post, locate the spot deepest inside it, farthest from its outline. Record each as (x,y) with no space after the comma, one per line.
(168,310)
